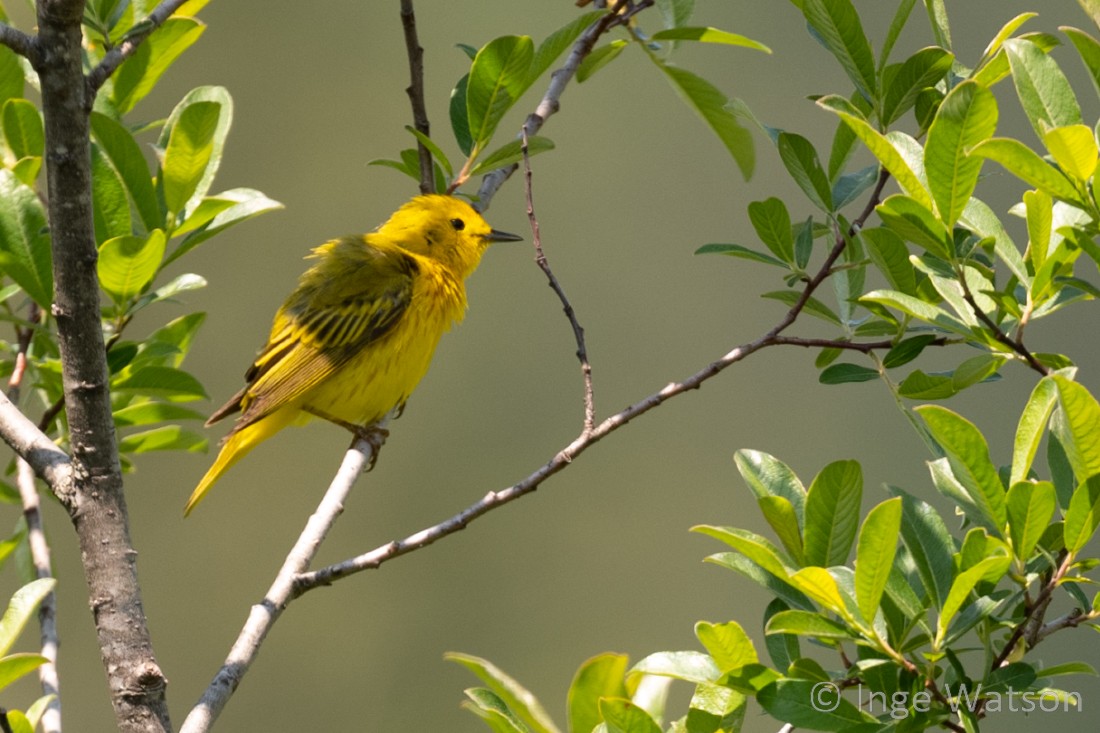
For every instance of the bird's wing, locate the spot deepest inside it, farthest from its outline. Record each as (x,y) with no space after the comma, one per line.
(329,319)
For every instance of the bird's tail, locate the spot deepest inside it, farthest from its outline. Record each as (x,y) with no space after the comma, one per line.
(236,446)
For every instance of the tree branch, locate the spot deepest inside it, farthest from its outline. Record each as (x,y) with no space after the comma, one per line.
(559,80)
(18,41)
(95,499)
(415,90)
(264,614)
(567,307)
(130,43)
(1017,345)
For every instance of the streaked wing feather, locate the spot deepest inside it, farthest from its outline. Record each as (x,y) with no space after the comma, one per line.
(314,333)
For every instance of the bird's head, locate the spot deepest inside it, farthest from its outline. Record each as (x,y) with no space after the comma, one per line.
(445,229)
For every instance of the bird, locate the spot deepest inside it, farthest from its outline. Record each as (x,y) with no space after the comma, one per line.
(357,334)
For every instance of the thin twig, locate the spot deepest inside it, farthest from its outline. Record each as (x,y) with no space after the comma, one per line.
(130,43)
(265,613)
(864,347)
(1017,345)
(18,41)
(415,90)
(555,285)
(36,541)
(1071,620)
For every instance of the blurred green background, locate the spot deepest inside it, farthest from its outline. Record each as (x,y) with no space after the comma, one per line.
(600,558)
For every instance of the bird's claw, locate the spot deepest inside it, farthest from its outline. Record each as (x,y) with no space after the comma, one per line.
(374,436)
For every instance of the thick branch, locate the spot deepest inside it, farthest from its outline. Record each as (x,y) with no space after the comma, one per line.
(415,90)
(129,45)
(18,41)
(96,503)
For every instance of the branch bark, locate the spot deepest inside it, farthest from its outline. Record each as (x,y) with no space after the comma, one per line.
(96,502)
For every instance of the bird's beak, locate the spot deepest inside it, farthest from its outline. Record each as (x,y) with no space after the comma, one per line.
(496,236)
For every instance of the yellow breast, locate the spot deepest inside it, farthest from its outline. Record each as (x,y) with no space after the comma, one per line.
(388,370)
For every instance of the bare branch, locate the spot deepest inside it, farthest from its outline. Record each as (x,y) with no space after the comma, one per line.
(48,461)
(544,265)
(36,540)
(415,90)
(284,589)
(18,41)
(129,45)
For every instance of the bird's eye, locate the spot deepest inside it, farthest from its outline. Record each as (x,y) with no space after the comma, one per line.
(458,224)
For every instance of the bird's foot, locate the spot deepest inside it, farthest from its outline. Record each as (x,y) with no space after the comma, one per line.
(373,435)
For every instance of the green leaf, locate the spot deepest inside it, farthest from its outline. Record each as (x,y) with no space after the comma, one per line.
(1057,670)
(14,666)
(599,58)
(172,384)
(488,706)
(1030,507)
(968,455)
(1009,679)
(20,609)
(139,73)
(1076,428)
(930,545)
(921,386)
(147,413)
(810,705)
(460,122)
(190,146)
(511,153)
(838,26)
(243,204)
(623,716)
(967,116)
(962,586)
(1083,514)
(780,515)
(918,309)
(1088,48)
(881,147)
(23,131)
(675,13)
(891,257)
(766,475)
(906,350)
(195,132)
(1073,148)
(756,548)
(1044,92)
(497,77)
(737,250)
(11,75)
(708,35)
(801,161)
(1030,429)
(599,677)
(126,157)
(923,69)
(913,221)
(980,219)
(712,106)
(875,551)
(689,666)
(437,154)
(166,437)
(127,265)
(517,698)
(24,240)
(110,206)
(1024,163)
(812,306)
(772,223)
(807,623)
(847,374)
(728,644)
(832,513)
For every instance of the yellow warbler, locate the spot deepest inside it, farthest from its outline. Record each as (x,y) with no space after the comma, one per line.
(357,334)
